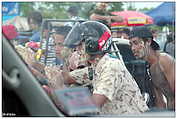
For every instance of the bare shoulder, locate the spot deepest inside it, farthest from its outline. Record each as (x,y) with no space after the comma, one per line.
(166,60)
(164,57)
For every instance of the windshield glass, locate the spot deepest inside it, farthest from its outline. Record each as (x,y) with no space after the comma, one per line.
(124,82)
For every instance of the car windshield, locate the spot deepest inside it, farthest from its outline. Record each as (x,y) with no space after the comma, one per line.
(43,77)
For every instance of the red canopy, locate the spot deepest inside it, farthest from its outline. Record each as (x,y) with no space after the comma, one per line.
(132,18)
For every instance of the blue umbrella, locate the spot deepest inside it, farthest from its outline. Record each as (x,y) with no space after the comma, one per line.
(164,14)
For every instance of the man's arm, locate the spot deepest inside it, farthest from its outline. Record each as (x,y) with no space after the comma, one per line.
(36,72)
(107,18)
(159,102)
(79,76)
(168,66)
(99,100)
(68,79)
(99,17)
(117,18)
(38,66)
(104,86)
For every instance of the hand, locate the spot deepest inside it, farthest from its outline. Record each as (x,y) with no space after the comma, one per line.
(37,73)
(55,77)
(117,18)
(38,66)
(47,90)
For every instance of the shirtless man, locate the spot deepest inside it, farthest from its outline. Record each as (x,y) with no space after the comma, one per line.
(162,66)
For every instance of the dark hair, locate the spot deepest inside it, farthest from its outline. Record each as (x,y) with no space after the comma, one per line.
(145,34)
(73,10)
(36,17)
(154,45)
(63,30)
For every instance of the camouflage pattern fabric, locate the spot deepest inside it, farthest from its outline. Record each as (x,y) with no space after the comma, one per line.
(55,77)
(81,76)
(77,59)
(82,58)
(113,80)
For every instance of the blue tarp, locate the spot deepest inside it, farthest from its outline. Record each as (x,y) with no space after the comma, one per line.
(10,10)
(164,14)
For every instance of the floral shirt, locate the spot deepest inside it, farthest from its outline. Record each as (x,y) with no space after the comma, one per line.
(81,76)
(113,80)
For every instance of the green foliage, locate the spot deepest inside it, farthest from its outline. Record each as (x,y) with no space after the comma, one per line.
(26,8)
(146,9)
(155,27)
(131,8)
(116,6)
(58,10)
(86,8)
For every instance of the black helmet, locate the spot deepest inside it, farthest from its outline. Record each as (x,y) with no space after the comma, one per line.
(96,35)
(73,38)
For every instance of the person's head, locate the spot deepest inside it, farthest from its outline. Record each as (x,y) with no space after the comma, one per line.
(73,11)
(101,5)
(154,33)
(94,36)
(59,37)
(141,41)
(114,34)
(34,20)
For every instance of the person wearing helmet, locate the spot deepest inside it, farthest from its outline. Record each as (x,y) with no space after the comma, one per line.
(162,66)
(114,89)
(76,73)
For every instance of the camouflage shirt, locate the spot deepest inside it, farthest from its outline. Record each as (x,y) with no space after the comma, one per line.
(113,80)
(81,76)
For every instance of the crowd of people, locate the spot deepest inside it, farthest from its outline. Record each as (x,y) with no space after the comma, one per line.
(84,58)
